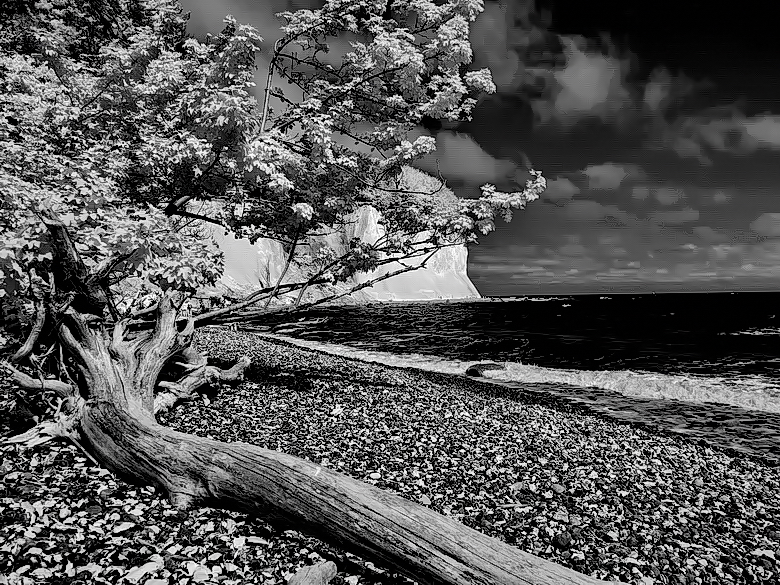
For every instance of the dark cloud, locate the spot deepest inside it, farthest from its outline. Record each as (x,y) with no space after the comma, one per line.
(674,217)
(709,235)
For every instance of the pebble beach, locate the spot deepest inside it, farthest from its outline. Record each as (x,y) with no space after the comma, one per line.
(605,497)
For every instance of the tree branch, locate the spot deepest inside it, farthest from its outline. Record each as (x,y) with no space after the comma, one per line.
(279,46)
(290,257)
(197,375)
(368,283)
(70,272)
(189,214)
(252,299)
(26,382)
(35,331)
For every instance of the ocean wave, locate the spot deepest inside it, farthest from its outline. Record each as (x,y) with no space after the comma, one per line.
(746,391)
(756,331)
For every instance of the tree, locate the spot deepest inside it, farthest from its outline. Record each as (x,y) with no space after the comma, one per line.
(122,137)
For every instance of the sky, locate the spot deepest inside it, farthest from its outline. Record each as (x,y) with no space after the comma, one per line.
(656,124)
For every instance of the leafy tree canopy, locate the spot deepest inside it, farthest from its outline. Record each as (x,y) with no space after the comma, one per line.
(130,134)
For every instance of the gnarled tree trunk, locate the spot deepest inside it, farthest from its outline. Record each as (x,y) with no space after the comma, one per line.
(107,408)
(113,420)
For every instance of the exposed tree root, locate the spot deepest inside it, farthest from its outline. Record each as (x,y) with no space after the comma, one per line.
(197,375)
(113,419)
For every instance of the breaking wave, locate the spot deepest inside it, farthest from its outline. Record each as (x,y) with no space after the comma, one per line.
(756,331)
(753,392)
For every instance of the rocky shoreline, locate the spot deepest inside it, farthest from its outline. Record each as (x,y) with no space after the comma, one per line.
(606,498)
(735,429)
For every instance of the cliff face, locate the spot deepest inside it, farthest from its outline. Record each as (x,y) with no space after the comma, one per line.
(251,267)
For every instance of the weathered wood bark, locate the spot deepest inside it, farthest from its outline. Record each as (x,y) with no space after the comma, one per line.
(197,375)
(377,525)
(319,574)
(113,420)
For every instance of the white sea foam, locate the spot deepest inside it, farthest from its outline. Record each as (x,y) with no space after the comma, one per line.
(756,331)
(752,392)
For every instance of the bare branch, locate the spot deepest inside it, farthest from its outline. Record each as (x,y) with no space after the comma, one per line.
(279,46)
(199,217)
(71,344)
(252,299)
(290,257)
(63,426)
(35,330)
(107,266)
(197,375)
(165,324)
(27,382)
(368,283)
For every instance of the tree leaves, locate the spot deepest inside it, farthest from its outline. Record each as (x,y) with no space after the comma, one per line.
(119,129)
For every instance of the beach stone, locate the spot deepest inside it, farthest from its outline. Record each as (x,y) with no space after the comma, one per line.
(477,370)
(561,516)
(562,540)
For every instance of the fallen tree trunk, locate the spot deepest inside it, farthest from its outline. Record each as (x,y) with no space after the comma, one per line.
(113,420)
(382,527)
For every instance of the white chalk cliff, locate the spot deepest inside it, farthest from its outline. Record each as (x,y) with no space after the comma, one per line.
(251,267)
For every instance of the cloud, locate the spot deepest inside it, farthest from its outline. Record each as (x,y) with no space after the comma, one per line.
(592,211)
(723,129)
(491,37)
(616,251)
(590,84)
(570,78)
(640,192)
(521,250)
(721,252)
(572,250)
(526,270)
(767,224)
(674,217)
(765,130)
(710,235)
(663,91)
(668,195)
(721,197)
(610,175)
(460,158)
(585,210)
(745,237)
(560,189)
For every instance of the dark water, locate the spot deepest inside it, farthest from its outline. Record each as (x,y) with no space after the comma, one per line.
(728,341)
(699,349)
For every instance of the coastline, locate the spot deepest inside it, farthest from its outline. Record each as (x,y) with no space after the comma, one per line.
(603,497)
(734,429)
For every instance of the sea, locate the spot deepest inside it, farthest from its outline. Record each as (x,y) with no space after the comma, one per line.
(708,357)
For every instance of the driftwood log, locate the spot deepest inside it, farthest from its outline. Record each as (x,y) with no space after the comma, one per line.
(107,405)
